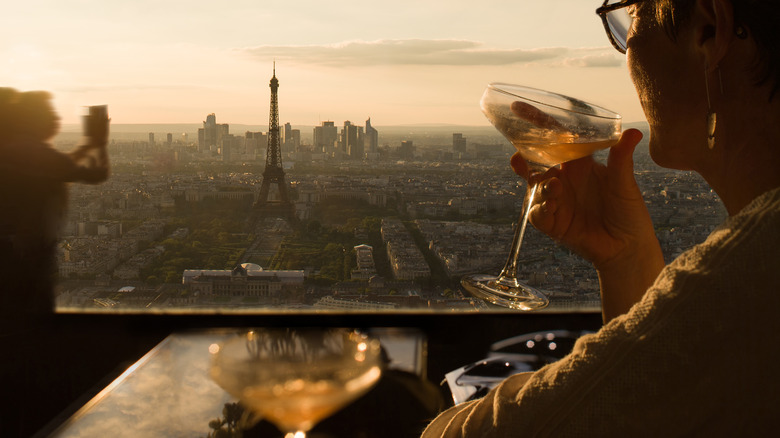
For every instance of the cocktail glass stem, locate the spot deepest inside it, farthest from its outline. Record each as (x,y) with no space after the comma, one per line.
(508,275)
(505,289)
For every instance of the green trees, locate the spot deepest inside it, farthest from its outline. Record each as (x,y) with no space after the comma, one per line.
(323,246)
(215,240)
(327,251)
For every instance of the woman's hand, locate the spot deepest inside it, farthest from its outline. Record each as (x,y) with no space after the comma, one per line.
(598,211)
(91,163)
(92,174)
(595,210)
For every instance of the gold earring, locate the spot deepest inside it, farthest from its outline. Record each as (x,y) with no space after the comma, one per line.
(712,116)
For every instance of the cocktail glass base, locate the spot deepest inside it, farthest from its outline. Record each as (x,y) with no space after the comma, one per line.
(505,292)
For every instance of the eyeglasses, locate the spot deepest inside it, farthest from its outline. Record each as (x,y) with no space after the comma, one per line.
(617,21)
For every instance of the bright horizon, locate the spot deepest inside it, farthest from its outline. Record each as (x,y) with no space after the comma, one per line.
(399,63)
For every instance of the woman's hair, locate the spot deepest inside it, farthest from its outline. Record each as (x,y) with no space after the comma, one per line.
(31,112)
(8,97)
(759,18)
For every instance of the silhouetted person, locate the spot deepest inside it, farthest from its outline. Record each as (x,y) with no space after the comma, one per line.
(33,200)
(33,196)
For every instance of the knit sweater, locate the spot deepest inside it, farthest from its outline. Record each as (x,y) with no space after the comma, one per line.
(697,356)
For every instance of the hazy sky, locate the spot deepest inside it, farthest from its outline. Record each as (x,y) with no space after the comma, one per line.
(398,62)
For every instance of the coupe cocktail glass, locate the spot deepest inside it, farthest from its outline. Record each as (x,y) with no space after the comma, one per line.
(547,129)
(296,377)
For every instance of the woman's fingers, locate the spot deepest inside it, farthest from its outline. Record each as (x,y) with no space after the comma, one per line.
(620,163)
(563,190)
(550,189)
(546,205)
(540,219)
(519,165)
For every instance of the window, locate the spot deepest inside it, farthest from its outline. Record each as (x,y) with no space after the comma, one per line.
(397,183)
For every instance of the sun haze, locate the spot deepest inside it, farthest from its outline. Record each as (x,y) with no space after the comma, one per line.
(401,62)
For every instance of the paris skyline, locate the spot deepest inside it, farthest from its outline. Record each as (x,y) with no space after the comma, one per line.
(399,62)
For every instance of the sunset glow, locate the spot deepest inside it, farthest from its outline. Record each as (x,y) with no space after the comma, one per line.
(401,62)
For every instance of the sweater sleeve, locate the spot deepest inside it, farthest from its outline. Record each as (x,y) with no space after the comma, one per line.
(452,422)
(695,357)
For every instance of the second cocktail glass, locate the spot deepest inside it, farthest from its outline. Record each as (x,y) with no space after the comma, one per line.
(296,377)
(547,129)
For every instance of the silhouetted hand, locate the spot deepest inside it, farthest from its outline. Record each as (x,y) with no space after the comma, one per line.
(93,174)
(82,152)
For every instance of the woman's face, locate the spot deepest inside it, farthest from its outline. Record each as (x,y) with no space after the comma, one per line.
(670,84)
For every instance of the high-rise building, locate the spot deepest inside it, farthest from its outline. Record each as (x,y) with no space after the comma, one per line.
(226,147)
(351,143)
(291,138)
(207,136)
(223,131)
(458,143)
(255,143)
(372,138)
(325,137)
(296,140)
(287,135)
(407,150)
(151,139)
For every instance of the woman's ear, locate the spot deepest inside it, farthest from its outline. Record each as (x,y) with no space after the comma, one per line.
(713,27)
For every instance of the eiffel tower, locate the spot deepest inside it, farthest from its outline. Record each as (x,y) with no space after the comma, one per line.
(274,173)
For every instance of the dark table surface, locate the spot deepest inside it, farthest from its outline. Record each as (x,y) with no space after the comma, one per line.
(168,392)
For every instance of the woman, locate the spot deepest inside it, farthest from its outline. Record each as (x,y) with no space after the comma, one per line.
(33,198)
(689,348)
(40,356)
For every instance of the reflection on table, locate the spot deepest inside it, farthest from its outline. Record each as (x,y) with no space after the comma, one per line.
(168,393)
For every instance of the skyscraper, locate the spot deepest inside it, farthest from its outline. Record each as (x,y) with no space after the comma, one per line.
(406,150)
(222,141)
(351,144)
(287,135)
(292,138)
(372,137)
(325,137)
(255,143)
(208,140)
(296,140)
(458,143)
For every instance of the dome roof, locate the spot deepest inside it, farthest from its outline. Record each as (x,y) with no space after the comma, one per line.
(251,267)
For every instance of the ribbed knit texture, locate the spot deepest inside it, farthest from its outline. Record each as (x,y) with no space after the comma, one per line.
(698,356)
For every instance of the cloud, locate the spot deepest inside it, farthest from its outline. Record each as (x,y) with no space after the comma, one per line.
(131,87)
(404,52)
(598,60)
